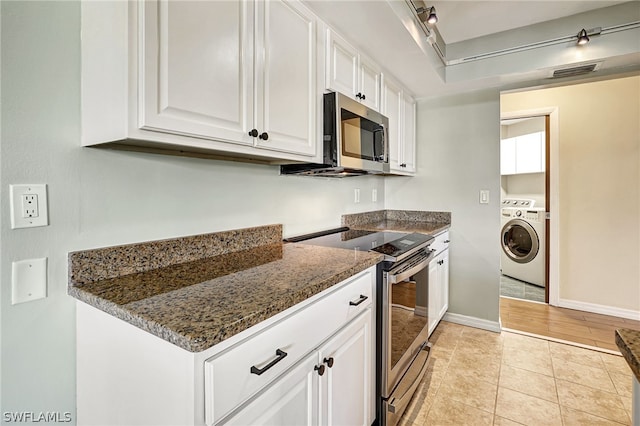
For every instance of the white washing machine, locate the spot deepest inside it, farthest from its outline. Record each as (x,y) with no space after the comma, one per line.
(522,239)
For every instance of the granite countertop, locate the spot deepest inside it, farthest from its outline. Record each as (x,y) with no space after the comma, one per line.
(423,222)
(197,300)
(431,228)
(197,291)
(629,343)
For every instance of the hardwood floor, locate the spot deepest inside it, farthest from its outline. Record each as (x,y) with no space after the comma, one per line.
(560,323)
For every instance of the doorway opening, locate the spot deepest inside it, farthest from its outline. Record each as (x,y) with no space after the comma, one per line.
(525,192)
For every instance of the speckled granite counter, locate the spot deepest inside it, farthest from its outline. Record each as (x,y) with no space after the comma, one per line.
(629,343)
(431,223)
(198,291)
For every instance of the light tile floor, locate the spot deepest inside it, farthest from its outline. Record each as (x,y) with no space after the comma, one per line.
(477,377)
(510,287)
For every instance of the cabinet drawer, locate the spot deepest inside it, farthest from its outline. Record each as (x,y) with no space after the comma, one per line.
(441,243)
(229,377)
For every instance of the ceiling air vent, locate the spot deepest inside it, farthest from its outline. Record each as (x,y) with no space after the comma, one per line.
(577,70)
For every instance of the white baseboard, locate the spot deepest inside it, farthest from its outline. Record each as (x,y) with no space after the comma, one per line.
(600,309)
(473,322)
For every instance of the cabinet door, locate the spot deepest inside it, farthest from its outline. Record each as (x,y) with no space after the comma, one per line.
(508,156)
(434,295)
(530,153)
(347,388)
(197,68)
(409,135)
(291,400)
(341,65)
(369,83)
(443,278)
(286,88)
(392,108)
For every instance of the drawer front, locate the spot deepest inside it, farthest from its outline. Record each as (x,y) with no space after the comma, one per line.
(230,378)
(441,243)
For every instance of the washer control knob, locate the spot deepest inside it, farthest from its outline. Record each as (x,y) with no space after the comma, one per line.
(518,213)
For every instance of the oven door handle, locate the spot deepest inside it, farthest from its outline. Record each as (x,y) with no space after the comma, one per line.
(401,276)
(401,395)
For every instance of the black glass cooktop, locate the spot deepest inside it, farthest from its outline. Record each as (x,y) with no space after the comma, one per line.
(391,244)
(403,244)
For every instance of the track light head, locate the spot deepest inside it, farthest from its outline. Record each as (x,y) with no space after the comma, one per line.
(583,38)
(427,14)
(433,18)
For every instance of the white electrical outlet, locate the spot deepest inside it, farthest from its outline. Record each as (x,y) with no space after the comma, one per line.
(28,206)
(374,195)
(356,195)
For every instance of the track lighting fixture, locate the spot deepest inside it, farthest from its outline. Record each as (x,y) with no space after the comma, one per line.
(427,14)
(433,18)
(583,38)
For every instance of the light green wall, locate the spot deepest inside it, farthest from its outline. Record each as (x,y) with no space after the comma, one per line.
(458,154)
(102,197)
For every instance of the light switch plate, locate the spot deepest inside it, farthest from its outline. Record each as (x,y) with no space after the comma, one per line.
(28,280)
(484,196)
(28,206)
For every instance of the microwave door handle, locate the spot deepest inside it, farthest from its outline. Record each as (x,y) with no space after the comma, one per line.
(385,146)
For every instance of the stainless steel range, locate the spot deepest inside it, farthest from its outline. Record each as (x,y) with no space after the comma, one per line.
(401,314)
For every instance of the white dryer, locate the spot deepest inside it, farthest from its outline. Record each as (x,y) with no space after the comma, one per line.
(522,239)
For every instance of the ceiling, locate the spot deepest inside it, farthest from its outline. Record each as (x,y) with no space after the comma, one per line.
(382,30)
(465,20)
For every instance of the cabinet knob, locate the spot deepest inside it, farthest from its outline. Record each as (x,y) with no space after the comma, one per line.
(264,136)
(319,369)
(253,133)
(447,241)
(328,361)
(364,97)
(359,95)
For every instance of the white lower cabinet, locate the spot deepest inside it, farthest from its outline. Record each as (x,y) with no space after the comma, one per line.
(439,281)
(331,386)
(291,400)
(347,387)
(267,374)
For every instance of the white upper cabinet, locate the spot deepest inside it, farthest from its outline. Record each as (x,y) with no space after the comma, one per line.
(392,108)
(370,77)
(530,153)
(409,135)
(286,77)
(523,154)
(228,77)
(400,108)
(508,156)
(193,75)
(350,73)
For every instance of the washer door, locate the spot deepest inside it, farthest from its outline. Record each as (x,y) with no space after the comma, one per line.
(519,241)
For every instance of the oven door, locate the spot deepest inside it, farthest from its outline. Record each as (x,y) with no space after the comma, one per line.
(404,334)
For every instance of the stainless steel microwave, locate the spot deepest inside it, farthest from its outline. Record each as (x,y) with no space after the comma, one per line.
(355,140)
